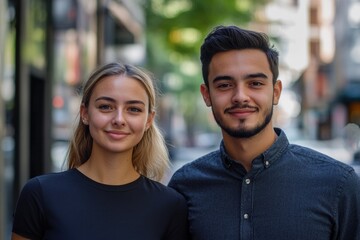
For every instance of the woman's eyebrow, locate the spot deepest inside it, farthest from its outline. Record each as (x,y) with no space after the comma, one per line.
(113,100)
(135,102)
(105,98)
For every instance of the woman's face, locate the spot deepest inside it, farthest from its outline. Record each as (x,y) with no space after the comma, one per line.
(117,114)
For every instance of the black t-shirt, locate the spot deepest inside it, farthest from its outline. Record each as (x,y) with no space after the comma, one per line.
(69,205)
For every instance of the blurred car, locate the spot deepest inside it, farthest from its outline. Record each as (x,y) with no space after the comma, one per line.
(356,162)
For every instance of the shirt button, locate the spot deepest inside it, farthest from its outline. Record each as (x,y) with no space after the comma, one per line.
(267,163)
(247,181)
(246,216)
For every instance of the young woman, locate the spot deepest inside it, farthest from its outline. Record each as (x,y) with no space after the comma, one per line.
(116,157)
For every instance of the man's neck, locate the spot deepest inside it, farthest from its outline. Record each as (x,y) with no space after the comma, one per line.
(245,150)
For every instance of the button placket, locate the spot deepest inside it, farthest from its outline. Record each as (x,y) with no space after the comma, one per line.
(246,206)
(247,182)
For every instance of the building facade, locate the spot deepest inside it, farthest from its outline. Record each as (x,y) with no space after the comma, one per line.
(47,49)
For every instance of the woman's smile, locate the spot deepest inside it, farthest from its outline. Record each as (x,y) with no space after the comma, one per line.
(118,135)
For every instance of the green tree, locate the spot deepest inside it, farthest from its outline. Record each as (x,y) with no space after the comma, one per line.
(175,31)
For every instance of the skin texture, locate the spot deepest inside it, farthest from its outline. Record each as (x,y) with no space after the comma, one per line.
(241,94)
(117,115)
(18,237)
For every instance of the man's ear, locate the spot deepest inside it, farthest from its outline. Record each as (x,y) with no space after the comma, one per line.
(277,91)
(205,94)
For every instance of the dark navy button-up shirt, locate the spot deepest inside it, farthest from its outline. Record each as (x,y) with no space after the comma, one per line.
(290,193)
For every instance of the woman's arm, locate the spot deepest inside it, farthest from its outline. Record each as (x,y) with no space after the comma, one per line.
(18,237)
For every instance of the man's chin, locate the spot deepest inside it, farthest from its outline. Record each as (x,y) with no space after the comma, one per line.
(240,133)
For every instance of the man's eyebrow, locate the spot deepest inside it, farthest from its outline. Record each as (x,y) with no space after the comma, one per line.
(222,77)
(246,76)
(256,75)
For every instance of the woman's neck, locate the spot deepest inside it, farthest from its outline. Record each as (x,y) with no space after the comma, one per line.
(110,170)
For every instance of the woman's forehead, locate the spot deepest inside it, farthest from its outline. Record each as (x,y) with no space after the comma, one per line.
(119,87)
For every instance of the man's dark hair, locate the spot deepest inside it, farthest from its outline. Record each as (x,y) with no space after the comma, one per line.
(226,38)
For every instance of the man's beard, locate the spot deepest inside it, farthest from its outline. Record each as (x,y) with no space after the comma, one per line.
(242,132)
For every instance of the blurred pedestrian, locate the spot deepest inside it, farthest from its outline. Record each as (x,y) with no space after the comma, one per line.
(116,158)
(258,185)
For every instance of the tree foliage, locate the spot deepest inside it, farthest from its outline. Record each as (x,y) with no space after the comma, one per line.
(182,24)
(175,32)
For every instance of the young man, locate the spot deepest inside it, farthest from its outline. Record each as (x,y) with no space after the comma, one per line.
(258,186)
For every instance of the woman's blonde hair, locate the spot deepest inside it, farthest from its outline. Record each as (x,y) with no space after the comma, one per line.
(150,155)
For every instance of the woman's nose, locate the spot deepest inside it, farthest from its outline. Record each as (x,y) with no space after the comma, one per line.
(119,118)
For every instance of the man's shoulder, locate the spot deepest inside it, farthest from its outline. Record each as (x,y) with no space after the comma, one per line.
(198,166)
(207,160)
(317,160)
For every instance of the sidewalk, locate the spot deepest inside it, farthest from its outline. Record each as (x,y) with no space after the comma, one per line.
(334,148)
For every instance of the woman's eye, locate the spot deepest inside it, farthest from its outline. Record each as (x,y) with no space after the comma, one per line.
(135,109)
(105,107)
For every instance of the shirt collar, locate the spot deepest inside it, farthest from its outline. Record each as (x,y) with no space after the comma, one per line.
(266,159)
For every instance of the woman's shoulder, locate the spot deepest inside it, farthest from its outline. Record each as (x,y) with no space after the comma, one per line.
(51,179)
(164,198)
(37,186)
(160,189)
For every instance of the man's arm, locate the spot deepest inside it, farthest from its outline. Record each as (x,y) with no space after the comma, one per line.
(349,209)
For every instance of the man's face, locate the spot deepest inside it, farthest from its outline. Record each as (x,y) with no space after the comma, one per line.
(241,92)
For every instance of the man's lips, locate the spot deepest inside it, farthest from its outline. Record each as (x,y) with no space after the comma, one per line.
(241,112)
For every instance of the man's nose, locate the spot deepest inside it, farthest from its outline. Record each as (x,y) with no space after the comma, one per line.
(240,94)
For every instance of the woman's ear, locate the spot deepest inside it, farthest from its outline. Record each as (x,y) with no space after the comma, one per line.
(150,120)
(84,114)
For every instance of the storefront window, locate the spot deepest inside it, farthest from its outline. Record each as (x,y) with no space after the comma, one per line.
(75,51)
(7,55)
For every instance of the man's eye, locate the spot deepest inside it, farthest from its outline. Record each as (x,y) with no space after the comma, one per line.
(256,84)
(224,85)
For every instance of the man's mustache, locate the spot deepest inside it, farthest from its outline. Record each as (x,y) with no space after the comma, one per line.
(239,106)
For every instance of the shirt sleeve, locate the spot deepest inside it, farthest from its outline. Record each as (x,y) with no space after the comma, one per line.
(29,218)
(173,183)
(178,227)
(348,217)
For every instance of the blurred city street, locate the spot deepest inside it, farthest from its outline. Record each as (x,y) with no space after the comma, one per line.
(333,148)
(49,48)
